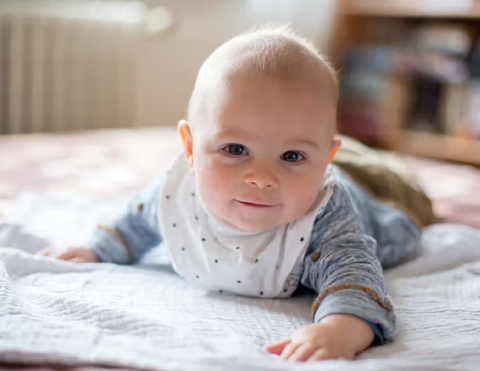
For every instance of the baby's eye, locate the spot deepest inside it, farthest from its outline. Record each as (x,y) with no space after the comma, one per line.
(292,156)
(236,150)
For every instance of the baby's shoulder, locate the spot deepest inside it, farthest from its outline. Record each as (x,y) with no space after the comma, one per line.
(344,190)
(341,211)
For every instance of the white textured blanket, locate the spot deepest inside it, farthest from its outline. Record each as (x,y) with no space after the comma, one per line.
(53,311)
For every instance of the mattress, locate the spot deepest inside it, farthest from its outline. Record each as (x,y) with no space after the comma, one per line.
(148,317)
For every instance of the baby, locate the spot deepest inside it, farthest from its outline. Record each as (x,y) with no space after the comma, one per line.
(253,206)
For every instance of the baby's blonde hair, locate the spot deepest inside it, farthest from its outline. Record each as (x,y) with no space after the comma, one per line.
(276,52)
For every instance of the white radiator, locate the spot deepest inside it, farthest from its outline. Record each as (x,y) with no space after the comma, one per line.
(61,73)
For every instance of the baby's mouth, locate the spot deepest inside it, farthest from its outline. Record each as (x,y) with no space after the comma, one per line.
(255,205)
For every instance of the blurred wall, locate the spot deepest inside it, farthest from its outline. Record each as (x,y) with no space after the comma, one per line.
(168,64)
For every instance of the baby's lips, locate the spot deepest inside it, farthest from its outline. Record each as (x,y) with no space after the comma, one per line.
(258,204)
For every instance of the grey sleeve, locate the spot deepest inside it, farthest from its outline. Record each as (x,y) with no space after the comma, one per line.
(342,267)
(135,231)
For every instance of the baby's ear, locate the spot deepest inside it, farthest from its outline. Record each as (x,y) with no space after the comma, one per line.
(336,143)
(187,140)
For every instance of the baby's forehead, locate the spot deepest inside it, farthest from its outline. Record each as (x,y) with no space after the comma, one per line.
(270,55)
(265,108)
(264,92)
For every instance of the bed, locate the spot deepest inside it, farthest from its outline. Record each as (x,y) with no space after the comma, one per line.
(41,174)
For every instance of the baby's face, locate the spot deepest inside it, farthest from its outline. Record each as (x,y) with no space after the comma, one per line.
(260,153)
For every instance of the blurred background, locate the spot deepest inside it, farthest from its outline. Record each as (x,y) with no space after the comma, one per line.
(410,70)
(91,91)
(70,65)
(410,75)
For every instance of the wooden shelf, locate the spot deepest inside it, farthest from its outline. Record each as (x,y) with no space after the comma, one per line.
(354,27)
(411,9)
(439,147)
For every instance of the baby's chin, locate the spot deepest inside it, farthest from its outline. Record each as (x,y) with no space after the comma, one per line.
(256,227)
(256,220)
(259,225)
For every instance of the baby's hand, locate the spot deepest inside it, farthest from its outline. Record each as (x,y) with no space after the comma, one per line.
(74,255)
(337,336)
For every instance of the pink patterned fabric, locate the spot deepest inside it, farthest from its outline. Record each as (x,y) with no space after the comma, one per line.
(107,162)
(454,189)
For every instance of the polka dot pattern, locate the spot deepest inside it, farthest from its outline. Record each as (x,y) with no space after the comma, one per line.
(227,270)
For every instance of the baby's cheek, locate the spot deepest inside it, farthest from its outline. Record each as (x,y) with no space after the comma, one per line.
(302,194)
(218,178)
(214,185)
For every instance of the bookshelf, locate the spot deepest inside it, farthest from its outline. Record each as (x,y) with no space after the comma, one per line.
(353,28)
(412,9)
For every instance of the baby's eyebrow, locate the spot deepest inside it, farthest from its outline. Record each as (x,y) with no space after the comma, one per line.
(224,134)
(232,134)
(306,142)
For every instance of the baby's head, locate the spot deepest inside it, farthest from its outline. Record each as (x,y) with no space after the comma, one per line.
(260,129)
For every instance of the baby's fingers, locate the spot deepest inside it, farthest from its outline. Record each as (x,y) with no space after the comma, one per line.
(73,255)
(277,348)
(289,350)
(76,260)
(49,251)
(70,255)
(303,352)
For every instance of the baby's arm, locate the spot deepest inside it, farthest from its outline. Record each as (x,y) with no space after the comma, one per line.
(132,234)
(351,309)
(135,231)
(345,271)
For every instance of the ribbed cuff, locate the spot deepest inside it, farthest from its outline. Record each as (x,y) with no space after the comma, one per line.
(108,248)
(360,304)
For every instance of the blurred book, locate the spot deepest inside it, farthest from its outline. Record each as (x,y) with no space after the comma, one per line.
(424,112)
(471,127)
(432,60)
(453,109)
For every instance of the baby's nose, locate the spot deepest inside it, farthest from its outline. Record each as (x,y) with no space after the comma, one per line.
(262,179)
